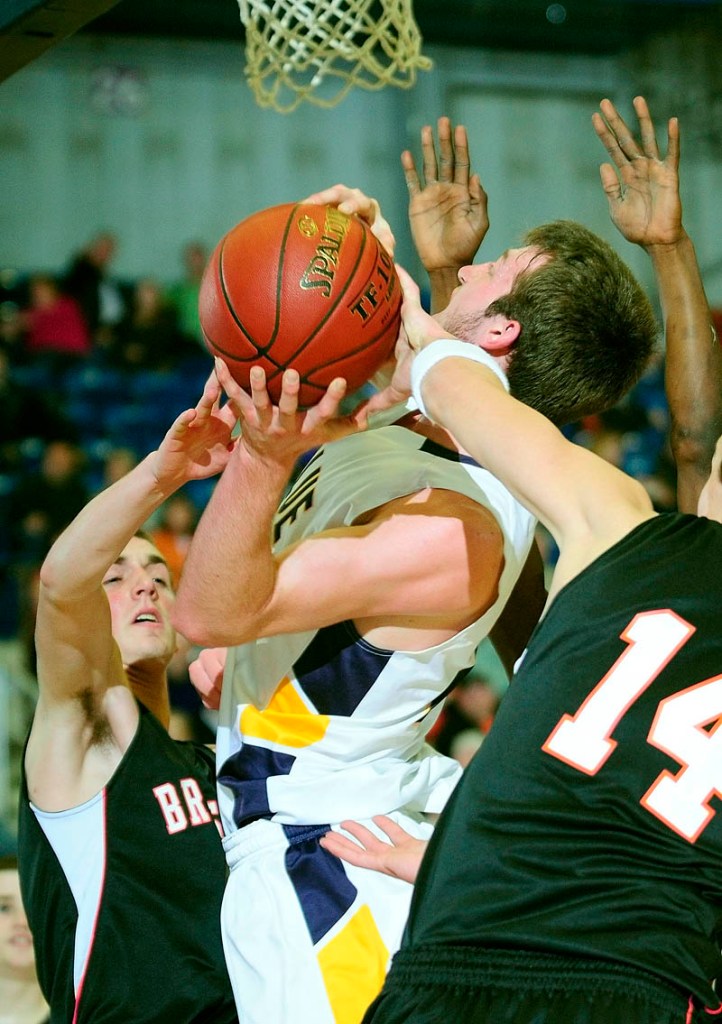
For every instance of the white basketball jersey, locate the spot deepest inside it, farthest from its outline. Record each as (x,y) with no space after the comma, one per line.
(320,726)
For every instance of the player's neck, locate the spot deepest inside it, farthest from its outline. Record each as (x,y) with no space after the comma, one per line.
(151,689)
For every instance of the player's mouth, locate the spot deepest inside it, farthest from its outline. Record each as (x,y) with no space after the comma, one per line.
(145,617)
(21,941)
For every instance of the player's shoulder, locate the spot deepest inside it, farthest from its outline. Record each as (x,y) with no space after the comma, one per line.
(436,503)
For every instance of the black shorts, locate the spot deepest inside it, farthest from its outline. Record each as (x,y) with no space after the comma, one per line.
(468,985)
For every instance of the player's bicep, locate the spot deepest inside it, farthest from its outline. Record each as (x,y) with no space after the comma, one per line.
(76,653)
(76,741)
(440,556)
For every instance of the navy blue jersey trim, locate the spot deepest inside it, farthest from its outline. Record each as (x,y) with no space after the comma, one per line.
(434,448)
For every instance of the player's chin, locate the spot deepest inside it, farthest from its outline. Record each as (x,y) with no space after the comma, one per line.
(152,647)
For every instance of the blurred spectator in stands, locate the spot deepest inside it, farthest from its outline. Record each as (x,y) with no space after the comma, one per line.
(471,705)
(28,592)
(100,296)
(25,414)
(54,323)
(633,437)
(148,337)
(107,463)
(172,535)
(13,296)
(184,293)
(45,501)
(465,744)
(118,462)
(21,1001)
(12,330)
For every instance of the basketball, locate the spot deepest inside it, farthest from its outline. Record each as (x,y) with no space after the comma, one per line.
(301,286)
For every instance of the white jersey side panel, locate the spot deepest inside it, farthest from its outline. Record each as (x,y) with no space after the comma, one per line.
(77,837)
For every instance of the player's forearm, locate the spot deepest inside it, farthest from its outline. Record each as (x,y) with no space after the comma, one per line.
(442,282)
(80,557)
(230,572)
(693,366)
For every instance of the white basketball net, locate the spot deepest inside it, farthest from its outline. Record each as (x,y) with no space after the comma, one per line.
(316,50)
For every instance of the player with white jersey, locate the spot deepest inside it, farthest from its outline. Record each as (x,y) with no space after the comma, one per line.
(321,723)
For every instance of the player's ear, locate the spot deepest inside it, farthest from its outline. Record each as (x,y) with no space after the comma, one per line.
(499,335)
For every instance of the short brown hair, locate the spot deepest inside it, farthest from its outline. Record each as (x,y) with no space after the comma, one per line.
(587,327)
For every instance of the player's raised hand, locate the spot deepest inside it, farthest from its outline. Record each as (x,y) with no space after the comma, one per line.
(642,187)
(447,204)
(400,857)
(355,202)
(199,443)
(283,432)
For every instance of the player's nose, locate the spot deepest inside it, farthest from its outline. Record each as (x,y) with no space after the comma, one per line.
(473,271)
(144,584)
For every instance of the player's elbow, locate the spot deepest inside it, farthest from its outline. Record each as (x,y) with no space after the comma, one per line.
(49,575)
(56,581)
(202,629)
(198,629)
(692,450)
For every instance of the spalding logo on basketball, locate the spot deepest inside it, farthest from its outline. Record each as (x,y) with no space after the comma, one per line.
(301,286)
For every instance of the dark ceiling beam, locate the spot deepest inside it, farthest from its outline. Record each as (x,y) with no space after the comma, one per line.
(30,27)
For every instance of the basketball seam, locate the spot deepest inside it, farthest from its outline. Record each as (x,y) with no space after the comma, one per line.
(307,341)
(368,343)
(260,351)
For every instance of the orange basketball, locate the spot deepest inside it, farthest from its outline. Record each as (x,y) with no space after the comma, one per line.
(301,286)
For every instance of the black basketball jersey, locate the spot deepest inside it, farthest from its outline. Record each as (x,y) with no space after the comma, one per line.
(590,821)
(124,905)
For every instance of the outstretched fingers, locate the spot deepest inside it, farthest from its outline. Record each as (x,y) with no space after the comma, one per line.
(411,175)
(462,162)
(346,849)
(445,162)
(181,423)
(646,128)
(327,408)
(260,412)
(209,405)
(288,399)
(610,182)
(238,400)
(387,825)
(607,127)
(211,396)
(428,155)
